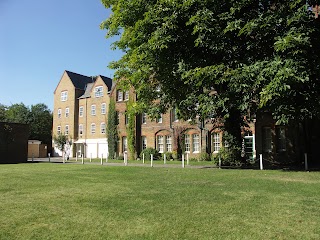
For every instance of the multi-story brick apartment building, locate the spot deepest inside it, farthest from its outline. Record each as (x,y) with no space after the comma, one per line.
(80,110)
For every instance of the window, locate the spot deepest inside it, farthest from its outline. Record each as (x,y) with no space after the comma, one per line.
(64,96)
(266,139)
(93,128)
(160,144)
(66,132)
(174,115)
(195,142)
(144,118)
(144,142)
(126,95)
(67,112)
(59,113)
(119,95)
(281,138)
(81,111)
(59,130)
(93,110)
(187,143)
(169,143)
(103,128)
(80,129)
(159,119)
(216,142)
(126,118)
(98,91)
(124,144)
(103,108)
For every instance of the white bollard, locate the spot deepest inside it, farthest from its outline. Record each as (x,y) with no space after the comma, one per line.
(82,160)
(164,158)
(90,157)
(125,159)
(188,159)
(63,160)
(143,158)
(183,166)
(49,156)
(151,156)
(101,157)
(261,164)
(306,162)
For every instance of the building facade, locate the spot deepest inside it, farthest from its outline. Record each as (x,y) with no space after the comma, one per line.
(81,107)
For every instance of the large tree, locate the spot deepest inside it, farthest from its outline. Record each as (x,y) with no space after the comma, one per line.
(219,58)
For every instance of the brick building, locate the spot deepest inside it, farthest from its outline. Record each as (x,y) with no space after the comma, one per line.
(81,106)
(80,111)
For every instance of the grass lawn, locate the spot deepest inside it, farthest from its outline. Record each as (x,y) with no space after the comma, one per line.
(72,201)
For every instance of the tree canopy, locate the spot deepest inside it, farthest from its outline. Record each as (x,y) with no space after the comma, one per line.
(38,116)
(219,58)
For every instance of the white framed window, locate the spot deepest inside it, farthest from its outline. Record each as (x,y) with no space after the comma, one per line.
(103,108)
(126,95)
(174,115)
(93,128)
(195,143)
(160,144)
(64,96)
(266,139)
(144,142)
(187,143)
(67,112)
(119,95)
(168,143)
(59,130)
(159,119)
(93,110)
(81,111)
(80,129)
(66,131)
(124,144)
(144,118)
(59,113)
(281,139)
(102,128)
(126,118)
(216,142)
(98,91)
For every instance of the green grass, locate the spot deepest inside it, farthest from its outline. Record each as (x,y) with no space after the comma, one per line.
(72,201)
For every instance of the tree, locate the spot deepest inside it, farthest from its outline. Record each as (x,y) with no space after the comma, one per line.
(18,113)
(3,109)
(40,123)
(225,59)
(63,143)
(112,133)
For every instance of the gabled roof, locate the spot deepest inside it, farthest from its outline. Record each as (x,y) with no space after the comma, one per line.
(79,81)
(107,81)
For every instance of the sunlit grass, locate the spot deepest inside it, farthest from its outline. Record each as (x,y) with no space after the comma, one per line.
(71,201)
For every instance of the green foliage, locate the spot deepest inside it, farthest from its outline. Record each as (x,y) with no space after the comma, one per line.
(168,156)
(60,141)
(219,58)
(147,154)
(112,133)
(228,158)
(131,129)
(204,157)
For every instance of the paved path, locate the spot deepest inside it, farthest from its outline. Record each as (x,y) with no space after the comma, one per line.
(130,163)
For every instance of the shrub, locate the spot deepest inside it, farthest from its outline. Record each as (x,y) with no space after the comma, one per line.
(147,154)
(204,157)
(168,155)
(228,158)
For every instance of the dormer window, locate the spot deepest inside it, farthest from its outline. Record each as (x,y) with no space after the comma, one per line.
(98,91)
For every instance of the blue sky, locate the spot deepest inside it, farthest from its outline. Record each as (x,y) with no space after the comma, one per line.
(39,39)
